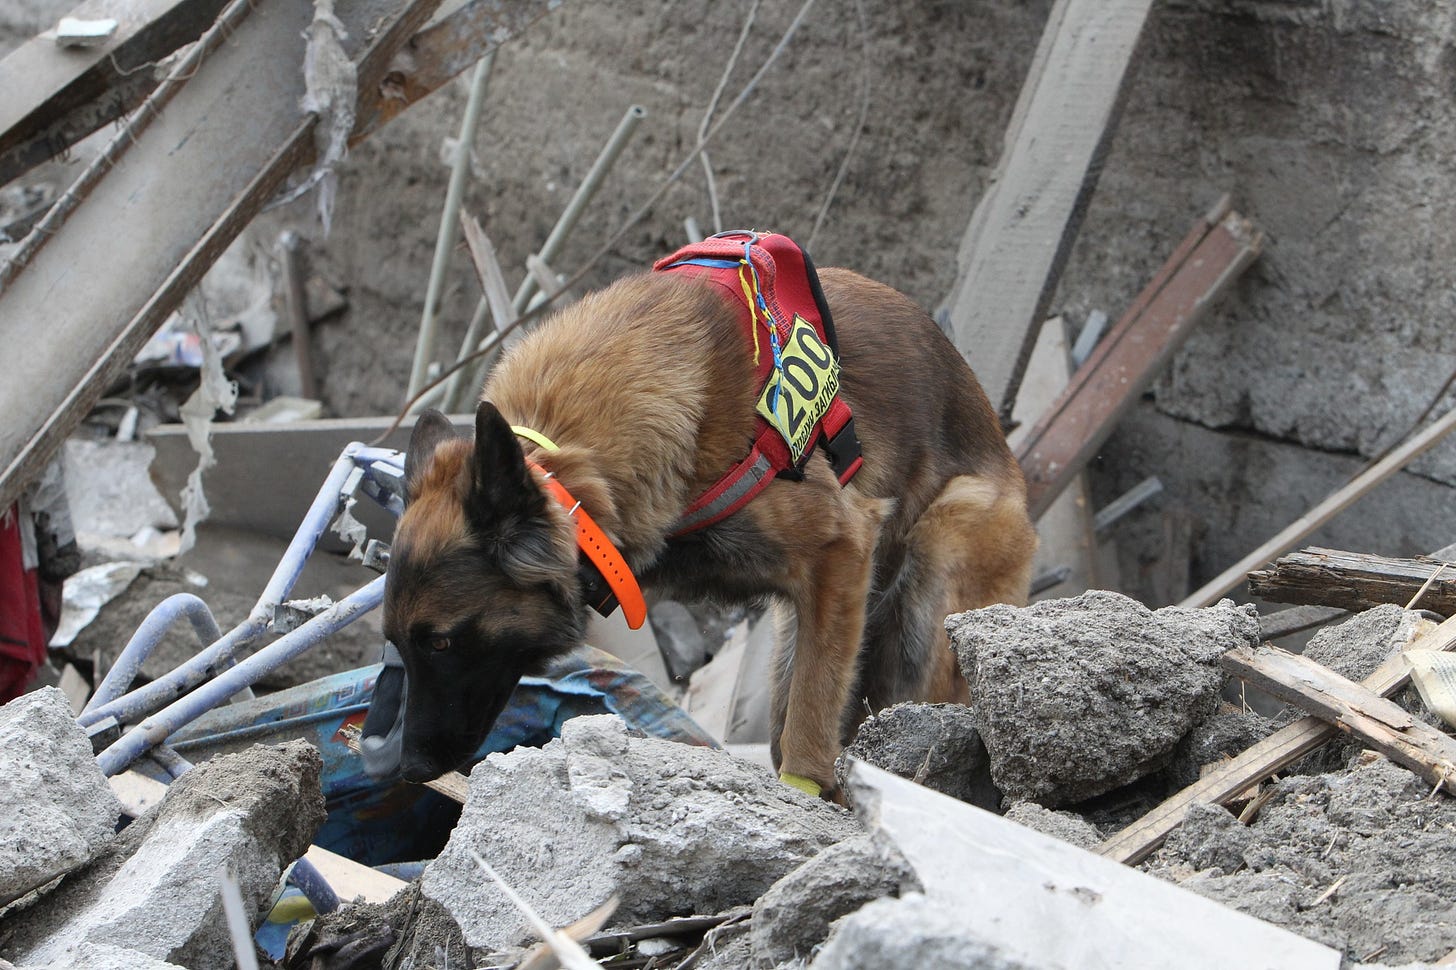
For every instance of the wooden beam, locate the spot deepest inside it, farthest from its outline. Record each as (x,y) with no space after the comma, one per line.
(55,97)
(1355,581)
(184,193)
(1224,783)
(1382,724)
(1022,230)
(1211,256)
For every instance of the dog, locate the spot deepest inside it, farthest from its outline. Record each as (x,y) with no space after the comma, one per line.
(634,400)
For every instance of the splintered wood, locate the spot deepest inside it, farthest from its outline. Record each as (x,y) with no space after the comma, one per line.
(1352,581)
(1384,725)
(1226,782)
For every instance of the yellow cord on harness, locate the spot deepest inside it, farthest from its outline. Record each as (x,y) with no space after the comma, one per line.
(752,305)
(806,785)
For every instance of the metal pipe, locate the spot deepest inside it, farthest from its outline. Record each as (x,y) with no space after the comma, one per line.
(314,886)
(156,728)
(220,655)
(626,128)
(290,246)
(449,231)
(147,636)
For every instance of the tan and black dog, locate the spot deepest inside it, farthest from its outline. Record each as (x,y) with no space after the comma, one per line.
(647,390)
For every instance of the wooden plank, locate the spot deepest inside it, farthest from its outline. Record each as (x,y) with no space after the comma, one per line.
(1211,256)
(267,475)
(1023,227)
(1281,749)
(55,97)
(1356,581)
(1382,724)
(353,880)
(1335,503)
(1065,529)
(180,197)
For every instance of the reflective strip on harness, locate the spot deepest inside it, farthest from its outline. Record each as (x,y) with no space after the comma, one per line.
(733,491)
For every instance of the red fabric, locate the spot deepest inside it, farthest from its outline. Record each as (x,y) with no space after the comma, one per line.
(22,632)
(783,281)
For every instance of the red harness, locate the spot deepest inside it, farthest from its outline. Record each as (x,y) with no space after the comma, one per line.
(796,355)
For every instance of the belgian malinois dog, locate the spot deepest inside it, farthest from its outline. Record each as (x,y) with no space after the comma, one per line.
(646,391)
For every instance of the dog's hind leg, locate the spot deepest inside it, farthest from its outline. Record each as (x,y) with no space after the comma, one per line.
(970,548)
(982,542)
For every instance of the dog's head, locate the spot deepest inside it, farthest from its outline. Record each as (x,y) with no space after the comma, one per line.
(482,586)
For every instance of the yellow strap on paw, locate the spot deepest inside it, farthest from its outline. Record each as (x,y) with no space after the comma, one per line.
(806,785)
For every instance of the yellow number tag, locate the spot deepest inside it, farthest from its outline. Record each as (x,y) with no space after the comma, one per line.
(795,398)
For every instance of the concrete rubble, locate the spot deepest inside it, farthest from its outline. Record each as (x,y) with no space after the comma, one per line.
(1075,697)
(156,892)
(56,809)
(936,745)
(668,828)
(1027,892)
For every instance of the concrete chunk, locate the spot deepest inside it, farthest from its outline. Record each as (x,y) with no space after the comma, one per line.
(793,917)
(671,829)
(1076,697)
(56,811)
(936,745)
(157,891)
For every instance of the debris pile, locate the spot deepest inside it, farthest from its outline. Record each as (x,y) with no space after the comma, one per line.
(154,891)
(658,850)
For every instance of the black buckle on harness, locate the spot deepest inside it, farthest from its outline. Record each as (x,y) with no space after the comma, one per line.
(844,452)
(594,589)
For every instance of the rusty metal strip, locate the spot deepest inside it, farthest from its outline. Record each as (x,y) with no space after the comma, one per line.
(440,52)
(1213,254)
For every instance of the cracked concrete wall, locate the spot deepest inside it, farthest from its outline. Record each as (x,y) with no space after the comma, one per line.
(1332,124)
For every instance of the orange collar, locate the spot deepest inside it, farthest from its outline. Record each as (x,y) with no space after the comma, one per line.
(602,554)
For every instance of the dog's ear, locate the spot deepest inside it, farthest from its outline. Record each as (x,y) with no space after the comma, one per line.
(431,429)
(508,509)
(501,488)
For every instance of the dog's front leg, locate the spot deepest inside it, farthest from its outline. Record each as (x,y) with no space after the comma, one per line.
(817,668)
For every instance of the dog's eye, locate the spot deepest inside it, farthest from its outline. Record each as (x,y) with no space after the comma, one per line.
(439,643)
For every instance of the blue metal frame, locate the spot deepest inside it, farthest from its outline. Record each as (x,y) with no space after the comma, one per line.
(215,673)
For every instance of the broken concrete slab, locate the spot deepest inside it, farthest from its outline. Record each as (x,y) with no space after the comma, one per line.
(1066,826)
(793,917)
(936,745)
(56,810)
(1037,902)
(1076,697)
(157,891)
(669,828)
(1359,859)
